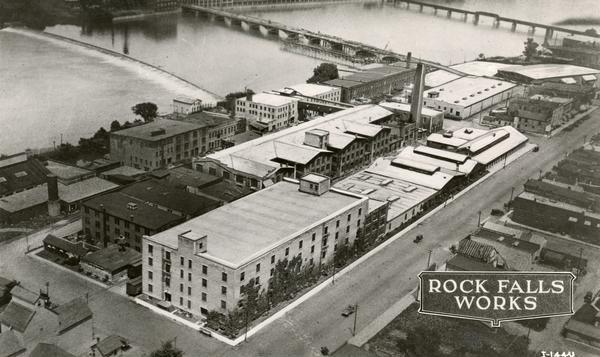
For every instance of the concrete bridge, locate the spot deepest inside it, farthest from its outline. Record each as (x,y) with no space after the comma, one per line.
(333,44)
(550,30)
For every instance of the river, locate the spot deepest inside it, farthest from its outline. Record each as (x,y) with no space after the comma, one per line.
(51,88)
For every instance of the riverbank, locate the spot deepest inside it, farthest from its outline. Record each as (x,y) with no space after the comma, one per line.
(37,13)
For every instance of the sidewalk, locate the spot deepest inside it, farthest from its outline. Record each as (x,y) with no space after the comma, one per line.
(572,121)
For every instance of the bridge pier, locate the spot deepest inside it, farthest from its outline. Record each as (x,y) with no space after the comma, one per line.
(421,8)
(548,35)
(476,19)
(496,23)
(435,10)
(449,14)
(532,30)
(513,27)
(228,21)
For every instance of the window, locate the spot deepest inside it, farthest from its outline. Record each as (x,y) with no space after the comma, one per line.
(224,290)
(149,261)
(257,280)
(181,273)
(203,296)
(337,234)
(204,269)
(337,223)
(189,264)
(149,288)
(314,235)
(348,229)
(300,245)
(181,260)
(349,217)
(180,300)
(242,276)
(224,276)
(180,288)
(358,223)
(223,304)
(312,249)
(168,255)
(189,276)
(257,267)
(287,251)
(150,249)
(359,211)
(204,283)
(149,275)
(272,272)
(189,290)
(325,230)
(272,259)
(189,304)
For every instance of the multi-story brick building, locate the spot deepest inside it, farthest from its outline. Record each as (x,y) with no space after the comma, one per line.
(375,81)
(266,112)
(165,141)
(157,144)
(201,265)
(146,207)
(333,145)
(539,114)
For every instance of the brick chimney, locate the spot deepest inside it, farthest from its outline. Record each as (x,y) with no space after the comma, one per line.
(53,199)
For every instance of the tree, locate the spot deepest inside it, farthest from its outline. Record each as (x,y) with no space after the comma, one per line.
(530,48)
(229,102)
(324,72)
(591,31)
(146,110)
(481,56)
(115,125)
(167,350)
(422,341)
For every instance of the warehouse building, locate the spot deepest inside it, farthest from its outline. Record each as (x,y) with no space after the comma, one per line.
(467,96)
(201,265)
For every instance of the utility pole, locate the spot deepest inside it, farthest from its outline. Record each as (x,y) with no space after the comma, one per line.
(540,174)
(429,258)
(479,219)
(355,316)
(579,263)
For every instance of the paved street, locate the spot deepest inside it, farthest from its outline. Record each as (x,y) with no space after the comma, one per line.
(390,274)
(375,285)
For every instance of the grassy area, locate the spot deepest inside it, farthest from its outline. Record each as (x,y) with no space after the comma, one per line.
(456,337)
(5,236)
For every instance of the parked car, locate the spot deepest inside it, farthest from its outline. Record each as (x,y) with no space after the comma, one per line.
(536,148)
(589,297)
(497,212)
(349,310)
(418,238)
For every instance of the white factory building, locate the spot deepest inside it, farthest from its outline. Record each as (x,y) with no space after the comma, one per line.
(467,96)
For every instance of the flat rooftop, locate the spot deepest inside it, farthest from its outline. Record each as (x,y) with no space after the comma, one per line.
(247,228)
(482,68)
(145,215)
(405,108)
(464,167)
(558,204)
(274,100)
(111,258)
(439,77)
(384,167)
(65,171)
(157,130)
(256,157)
(467,91)
(402,195)
(550,70)
(311,89)
(515,138)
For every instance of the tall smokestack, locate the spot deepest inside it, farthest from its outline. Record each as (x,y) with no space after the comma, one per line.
(417,96)
(408,59)
(53,200)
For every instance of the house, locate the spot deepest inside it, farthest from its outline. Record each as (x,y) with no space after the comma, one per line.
(267,112)
(10,346)
(475,256)
(111,345)
(584,325)
(186,105)
(72,314)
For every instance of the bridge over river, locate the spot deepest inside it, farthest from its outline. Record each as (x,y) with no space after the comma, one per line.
(332,44)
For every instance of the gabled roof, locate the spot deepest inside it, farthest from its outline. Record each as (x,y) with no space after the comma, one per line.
(16,316)
(49,350)
(300,154)
(72,313)
(475,250)
(10,344)
(21,293)
(110,344)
